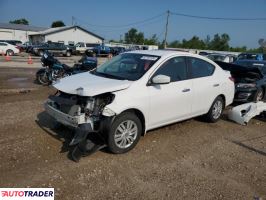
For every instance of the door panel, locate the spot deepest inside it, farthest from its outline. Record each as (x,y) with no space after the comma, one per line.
(169,102)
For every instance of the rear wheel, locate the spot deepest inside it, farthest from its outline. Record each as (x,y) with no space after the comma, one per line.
(42,78)
(124,133)
(40,53)
(216,110)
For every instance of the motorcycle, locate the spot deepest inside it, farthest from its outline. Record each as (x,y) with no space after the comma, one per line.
(54,70)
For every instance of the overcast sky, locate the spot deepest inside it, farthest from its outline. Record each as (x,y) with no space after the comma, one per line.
(109,18)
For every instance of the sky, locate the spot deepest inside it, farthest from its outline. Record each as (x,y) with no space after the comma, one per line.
(111,19)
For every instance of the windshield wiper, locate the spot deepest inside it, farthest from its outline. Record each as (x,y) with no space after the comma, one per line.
(108,75)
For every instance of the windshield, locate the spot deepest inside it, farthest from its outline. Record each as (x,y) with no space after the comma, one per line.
(128,66)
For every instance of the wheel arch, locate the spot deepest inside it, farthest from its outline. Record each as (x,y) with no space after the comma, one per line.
(141,117)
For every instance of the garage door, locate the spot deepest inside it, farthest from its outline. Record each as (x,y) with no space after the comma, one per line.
(5,35)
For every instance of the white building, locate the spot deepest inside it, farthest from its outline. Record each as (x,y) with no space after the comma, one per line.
(66,35)
(17,31)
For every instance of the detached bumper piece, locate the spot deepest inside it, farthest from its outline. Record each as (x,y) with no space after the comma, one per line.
(243,113)
(85,142)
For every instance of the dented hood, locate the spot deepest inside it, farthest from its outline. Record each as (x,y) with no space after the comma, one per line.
(90,85)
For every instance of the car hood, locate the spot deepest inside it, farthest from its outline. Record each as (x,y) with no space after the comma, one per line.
(90,85)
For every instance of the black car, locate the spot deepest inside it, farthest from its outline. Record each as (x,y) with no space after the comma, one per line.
(117,50)
(53,47)
(250,79)
(251,56)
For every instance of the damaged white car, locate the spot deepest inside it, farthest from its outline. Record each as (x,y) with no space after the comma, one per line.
(138,91)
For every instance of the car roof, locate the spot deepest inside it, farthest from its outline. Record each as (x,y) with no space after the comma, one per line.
(161,53)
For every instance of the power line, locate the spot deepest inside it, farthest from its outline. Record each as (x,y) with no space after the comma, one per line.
(124,25)
(218,18)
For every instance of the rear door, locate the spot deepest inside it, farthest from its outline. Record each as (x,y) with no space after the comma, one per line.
(170,102)
(205,84)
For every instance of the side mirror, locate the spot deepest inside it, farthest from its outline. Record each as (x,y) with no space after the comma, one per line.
(160,79)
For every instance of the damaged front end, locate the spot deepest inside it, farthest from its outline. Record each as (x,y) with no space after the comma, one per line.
(87,115)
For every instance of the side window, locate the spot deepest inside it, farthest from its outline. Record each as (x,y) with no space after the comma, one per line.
(200,68)
(175,68)
(3,44)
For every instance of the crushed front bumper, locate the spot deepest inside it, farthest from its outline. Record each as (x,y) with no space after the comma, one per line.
(68,120)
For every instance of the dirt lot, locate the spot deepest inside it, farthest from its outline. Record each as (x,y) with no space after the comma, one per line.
(187,160)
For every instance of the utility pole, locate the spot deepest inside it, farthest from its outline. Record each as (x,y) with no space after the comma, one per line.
(166,29)
(73,18)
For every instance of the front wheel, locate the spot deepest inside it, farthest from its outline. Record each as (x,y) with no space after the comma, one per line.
(10,52)
(124,133)
(43,78)
(216,110)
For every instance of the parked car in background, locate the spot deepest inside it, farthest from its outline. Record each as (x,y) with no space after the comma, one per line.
(8,49)
(228,58)
(203,53)
(117,50)
(250,79)
(53,47)
(138,91)
(251,56)
(101,50)
(16,43)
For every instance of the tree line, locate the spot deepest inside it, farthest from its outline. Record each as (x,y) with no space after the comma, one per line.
(219,42)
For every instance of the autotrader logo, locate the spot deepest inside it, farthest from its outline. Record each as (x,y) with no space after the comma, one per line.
(27,193)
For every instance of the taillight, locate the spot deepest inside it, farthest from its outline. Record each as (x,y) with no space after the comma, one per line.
(231,79)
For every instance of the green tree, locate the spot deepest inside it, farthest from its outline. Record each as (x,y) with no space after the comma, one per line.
(20,21)
(151,41)
(220,43)
(134,37)
(58,23)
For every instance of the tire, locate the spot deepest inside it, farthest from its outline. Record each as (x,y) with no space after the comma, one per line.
(42,78)
(259,95)
(40,53)
(216,110)
(126,141)
(68,54)
(9,52)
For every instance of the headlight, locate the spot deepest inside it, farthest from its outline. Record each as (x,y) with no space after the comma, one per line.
(108,112)
(245,85)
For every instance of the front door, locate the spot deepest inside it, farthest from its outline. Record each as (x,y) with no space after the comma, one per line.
(170,102)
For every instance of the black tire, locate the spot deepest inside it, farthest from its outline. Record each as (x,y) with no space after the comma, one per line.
(213,116)
(259,95)
(40,52)
(9,52)
(42,79)
(123,118)
(68,54)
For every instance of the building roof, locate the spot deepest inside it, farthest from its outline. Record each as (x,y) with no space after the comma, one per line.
(21,27)
(59,29)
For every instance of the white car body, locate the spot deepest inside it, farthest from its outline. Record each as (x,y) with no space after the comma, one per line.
(159,104)
(5,47)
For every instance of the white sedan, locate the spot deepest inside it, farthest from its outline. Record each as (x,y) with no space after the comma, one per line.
(138,91)
(8,49)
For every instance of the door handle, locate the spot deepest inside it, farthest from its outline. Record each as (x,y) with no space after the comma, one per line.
(216,85)
(186,90)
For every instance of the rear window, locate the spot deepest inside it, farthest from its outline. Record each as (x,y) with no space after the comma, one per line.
(200,68)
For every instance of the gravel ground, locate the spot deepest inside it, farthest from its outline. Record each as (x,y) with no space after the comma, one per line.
(187,160)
